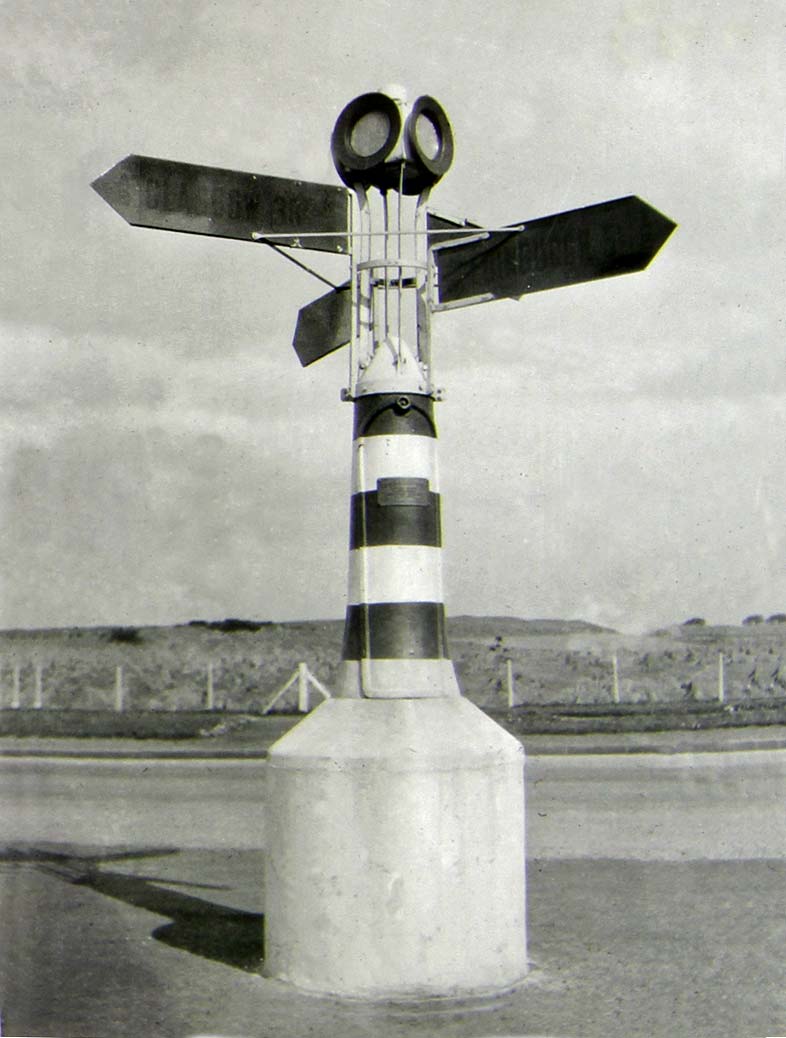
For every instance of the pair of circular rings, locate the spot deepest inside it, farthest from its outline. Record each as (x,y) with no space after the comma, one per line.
(371,133)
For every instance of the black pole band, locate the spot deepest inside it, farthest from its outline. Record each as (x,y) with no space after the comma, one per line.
(391,414)
(390,515)
(396,630)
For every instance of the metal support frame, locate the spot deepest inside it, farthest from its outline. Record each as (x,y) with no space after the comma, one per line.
(392,279)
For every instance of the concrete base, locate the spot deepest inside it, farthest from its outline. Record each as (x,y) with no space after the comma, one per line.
(396,863)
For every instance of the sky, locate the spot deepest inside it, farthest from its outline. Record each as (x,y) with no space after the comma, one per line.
(613,451)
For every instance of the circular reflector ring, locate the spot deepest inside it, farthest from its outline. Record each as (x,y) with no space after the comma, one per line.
(429,137)
(365,133)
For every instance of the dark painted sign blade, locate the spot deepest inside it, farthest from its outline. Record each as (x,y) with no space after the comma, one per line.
(324,325)
(599,241)
(224,203)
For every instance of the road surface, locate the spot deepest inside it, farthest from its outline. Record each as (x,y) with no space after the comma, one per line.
(131,894)
(683,807)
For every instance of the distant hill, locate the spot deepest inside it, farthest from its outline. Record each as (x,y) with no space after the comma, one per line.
(513,626)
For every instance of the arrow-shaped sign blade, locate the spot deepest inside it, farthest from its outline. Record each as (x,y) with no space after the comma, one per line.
(599,241)
(324,325)
(224,203)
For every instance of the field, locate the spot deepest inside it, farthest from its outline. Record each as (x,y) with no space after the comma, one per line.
(563,673)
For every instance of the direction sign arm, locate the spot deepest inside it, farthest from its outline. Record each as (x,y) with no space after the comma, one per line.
(225,203)
(324,325)
(617,237)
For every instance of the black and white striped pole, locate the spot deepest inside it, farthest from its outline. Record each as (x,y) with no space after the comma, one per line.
(395,643)
(396,859)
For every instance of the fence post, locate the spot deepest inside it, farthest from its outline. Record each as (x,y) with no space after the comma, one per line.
(17,692)
(721,687)
(317,684)
(511,685)
(302,677)
(615,678)
(210,701)
(302,688)
(283,691)
(38,701)
(119,689)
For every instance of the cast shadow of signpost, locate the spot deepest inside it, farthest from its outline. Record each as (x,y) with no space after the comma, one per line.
(229,935)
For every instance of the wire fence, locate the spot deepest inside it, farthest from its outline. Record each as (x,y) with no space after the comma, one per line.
(235,686)
(516,678)
(498,676)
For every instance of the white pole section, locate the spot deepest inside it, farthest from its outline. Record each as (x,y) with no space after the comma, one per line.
(615,678)
(511,689)
(17,693)
(721,688)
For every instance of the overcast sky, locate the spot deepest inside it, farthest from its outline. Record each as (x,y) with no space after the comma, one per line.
(613,451)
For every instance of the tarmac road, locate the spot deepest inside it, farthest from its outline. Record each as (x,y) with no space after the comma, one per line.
(647,807)
(131,899)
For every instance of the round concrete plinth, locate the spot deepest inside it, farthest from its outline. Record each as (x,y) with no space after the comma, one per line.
(396,863)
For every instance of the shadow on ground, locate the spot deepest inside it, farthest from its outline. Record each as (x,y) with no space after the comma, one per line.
(206,928)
